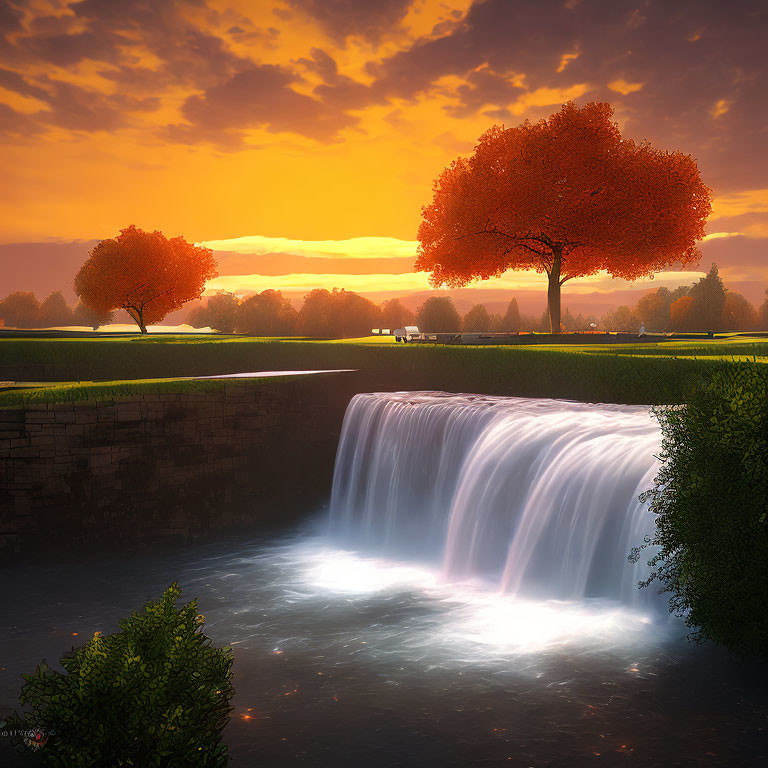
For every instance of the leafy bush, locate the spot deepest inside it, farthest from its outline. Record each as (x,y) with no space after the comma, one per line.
(711,502)
(156,693)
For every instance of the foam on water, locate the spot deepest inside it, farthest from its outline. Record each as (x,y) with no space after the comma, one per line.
(536,499)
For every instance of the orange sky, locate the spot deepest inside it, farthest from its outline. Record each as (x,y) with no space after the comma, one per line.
(316,120)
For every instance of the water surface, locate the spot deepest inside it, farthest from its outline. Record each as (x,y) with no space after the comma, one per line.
(342,659)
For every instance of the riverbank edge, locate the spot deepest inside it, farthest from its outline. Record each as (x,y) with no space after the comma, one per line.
(136,471)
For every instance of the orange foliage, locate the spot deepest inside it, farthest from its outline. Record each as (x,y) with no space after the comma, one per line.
(144,273)
(567,196)
(681,314)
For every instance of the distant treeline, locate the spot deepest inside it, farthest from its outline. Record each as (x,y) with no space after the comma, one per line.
(23,310)
(706,305)
(343,314)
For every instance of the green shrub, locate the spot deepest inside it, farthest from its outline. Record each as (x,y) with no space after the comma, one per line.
(711,502)
(156,693)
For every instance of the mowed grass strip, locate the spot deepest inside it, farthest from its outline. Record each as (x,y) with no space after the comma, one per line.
(107,390)
(591,374)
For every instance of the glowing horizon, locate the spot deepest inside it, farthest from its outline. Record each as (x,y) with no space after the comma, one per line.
(410,282)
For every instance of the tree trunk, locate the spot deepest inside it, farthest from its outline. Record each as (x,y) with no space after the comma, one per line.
(137,318)
(553,291)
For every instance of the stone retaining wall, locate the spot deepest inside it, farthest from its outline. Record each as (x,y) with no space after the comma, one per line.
(169,466)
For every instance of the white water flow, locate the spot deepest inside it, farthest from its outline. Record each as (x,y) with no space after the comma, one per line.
(538,497)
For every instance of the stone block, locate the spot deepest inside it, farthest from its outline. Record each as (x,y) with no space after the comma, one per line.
(86,416)
(25,453)
(40,417)
(103,471)
(128,414)
(42,441)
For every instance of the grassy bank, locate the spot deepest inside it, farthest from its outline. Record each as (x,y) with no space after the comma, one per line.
(652,374)
(104,390)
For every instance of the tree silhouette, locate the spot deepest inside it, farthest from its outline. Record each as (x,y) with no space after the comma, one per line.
(681,314)
(738,314)
(84,315)
(623,319)
(477,320)
(55,311)
(266,314)
(219,313)
(567,196)
(708,302)
(763,314)
(394,314)
(20,310)
(336,314)
(511,321)
(653,310)
(437,314)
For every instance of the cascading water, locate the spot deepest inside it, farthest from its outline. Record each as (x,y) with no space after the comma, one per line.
(539,497)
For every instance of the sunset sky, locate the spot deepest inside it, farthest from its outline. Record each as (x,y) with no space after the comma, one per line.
(300,138)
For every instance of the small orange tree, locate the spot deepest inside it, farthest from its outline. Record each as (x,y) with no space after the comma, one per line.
(145,274)
(681,314)
(567,196)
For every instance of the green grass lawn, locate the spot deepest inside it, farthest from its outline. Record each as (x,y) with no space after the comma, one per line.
(622,373)
(103,390)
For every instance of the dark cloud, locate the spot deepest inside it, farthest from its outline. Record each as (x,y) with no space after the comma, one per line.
(689,56)
(10,17)
(245,32)
(340,19)
(107,31)
(698,68)
(13,81)
(322,64)
(69,106)
(232,92)
(260,97)
(180,37)
(337,91)
(484,87)
(80,110)
(13,123)
(68,50)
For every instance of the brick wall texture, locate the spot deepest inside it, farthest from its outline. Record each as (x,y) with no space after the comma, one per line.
(168,466)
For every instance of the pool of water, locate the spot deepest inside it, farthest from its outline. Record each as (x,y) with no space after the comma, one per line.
(346,660)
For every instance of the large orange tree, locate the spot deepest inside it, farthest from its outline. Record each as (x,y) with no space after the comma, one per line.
(567,196)
(144,273)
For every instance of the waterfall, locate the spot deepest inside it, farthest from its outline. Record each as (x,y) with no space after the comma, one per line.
(538,497)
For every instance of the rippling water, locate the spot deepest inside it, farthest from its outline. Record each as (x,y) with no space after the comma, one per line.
(347,660)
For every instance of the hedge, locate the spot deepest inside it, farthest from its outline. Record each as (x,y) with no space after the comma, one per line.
(711,505)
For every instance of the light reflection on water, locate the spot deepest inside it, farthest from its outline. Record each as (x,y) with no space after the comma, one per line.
(345,660)
(469,613)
